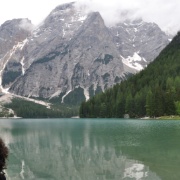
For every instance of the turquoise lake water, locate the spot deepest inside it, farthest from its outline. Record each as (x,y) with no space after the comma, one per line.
(92,149)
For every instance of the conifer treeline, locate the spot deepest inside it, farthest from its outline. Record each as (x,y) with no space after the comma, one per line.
(27,109)
(155,91)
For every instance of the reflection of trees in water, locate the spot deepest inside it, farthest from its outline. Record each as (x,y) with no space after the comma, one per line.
(70,150)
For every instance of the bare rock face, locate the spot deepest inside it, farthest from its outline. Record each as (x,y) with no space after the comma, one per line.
(12,32)
(73,55)
(12,35)
(139,42)
(87,60)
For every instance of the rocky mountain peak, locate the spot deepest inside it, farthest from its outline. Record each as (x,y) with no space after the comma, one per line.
(73,55)
(78,53)
(139,42)
(12,32)
(64,7)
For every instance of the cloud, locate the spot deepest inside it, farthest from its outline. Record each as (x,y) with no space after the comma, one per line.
(163,12)
(26,25)
(35,10)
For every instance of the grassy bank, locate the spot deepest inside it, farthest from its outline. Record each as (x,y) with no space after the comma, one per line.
(169,118)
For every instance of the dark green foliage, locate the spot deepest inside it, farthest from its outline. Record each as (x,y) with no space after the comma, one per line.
(149,104)
(75,97)
(155,91)
(5,112)
(10,76)
(27,109)
(98,90)
(128,75)
(91,91)
(117,79)
(177,104)
(57,100)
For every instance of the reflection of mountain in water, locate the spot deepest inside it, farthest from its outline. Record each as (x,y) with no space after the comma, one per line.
(90,150)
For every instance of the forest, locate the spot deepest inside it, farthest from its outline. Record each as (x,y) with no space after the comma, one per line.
(153,92)
(27,109)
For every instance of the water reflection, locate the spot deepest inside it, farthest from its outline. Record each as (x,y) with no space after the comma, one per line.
(91,149)
(137,171)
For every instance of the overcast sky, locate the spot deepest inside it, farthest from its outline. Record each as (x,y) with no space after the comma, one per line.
(166,13)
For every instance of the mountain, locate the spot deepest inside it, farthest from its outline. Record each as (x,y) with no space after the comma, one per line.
(12,35)
(138,42)
(12,32)
(154,92)
(73,55)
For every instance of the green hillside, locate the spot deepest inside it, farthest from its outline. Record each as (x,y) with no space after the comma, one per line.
(153,92)
(27,109)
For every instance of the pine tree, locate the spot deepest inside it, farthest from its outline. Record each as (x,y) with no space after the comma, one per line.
(149,104)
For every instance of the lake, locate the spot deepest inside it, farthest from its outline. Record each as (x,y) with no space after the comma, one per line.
(92,149)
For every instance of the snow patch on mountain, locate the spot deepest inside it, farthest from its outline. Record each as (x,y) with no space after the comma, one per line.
(5,60)
(86,93)
(22,64)
(135,57)
(82,18)
(65,96)
(133,61)
(57,93)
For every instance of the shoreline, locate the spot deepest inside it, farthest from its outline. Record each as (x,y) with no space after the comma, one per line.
(173,117)
(169,118)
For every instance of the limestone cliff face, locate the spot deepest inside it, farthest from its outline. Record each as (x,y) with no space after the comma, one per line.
(12,32)
(73,55)
(12,36)
(87,60)
(139,42)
